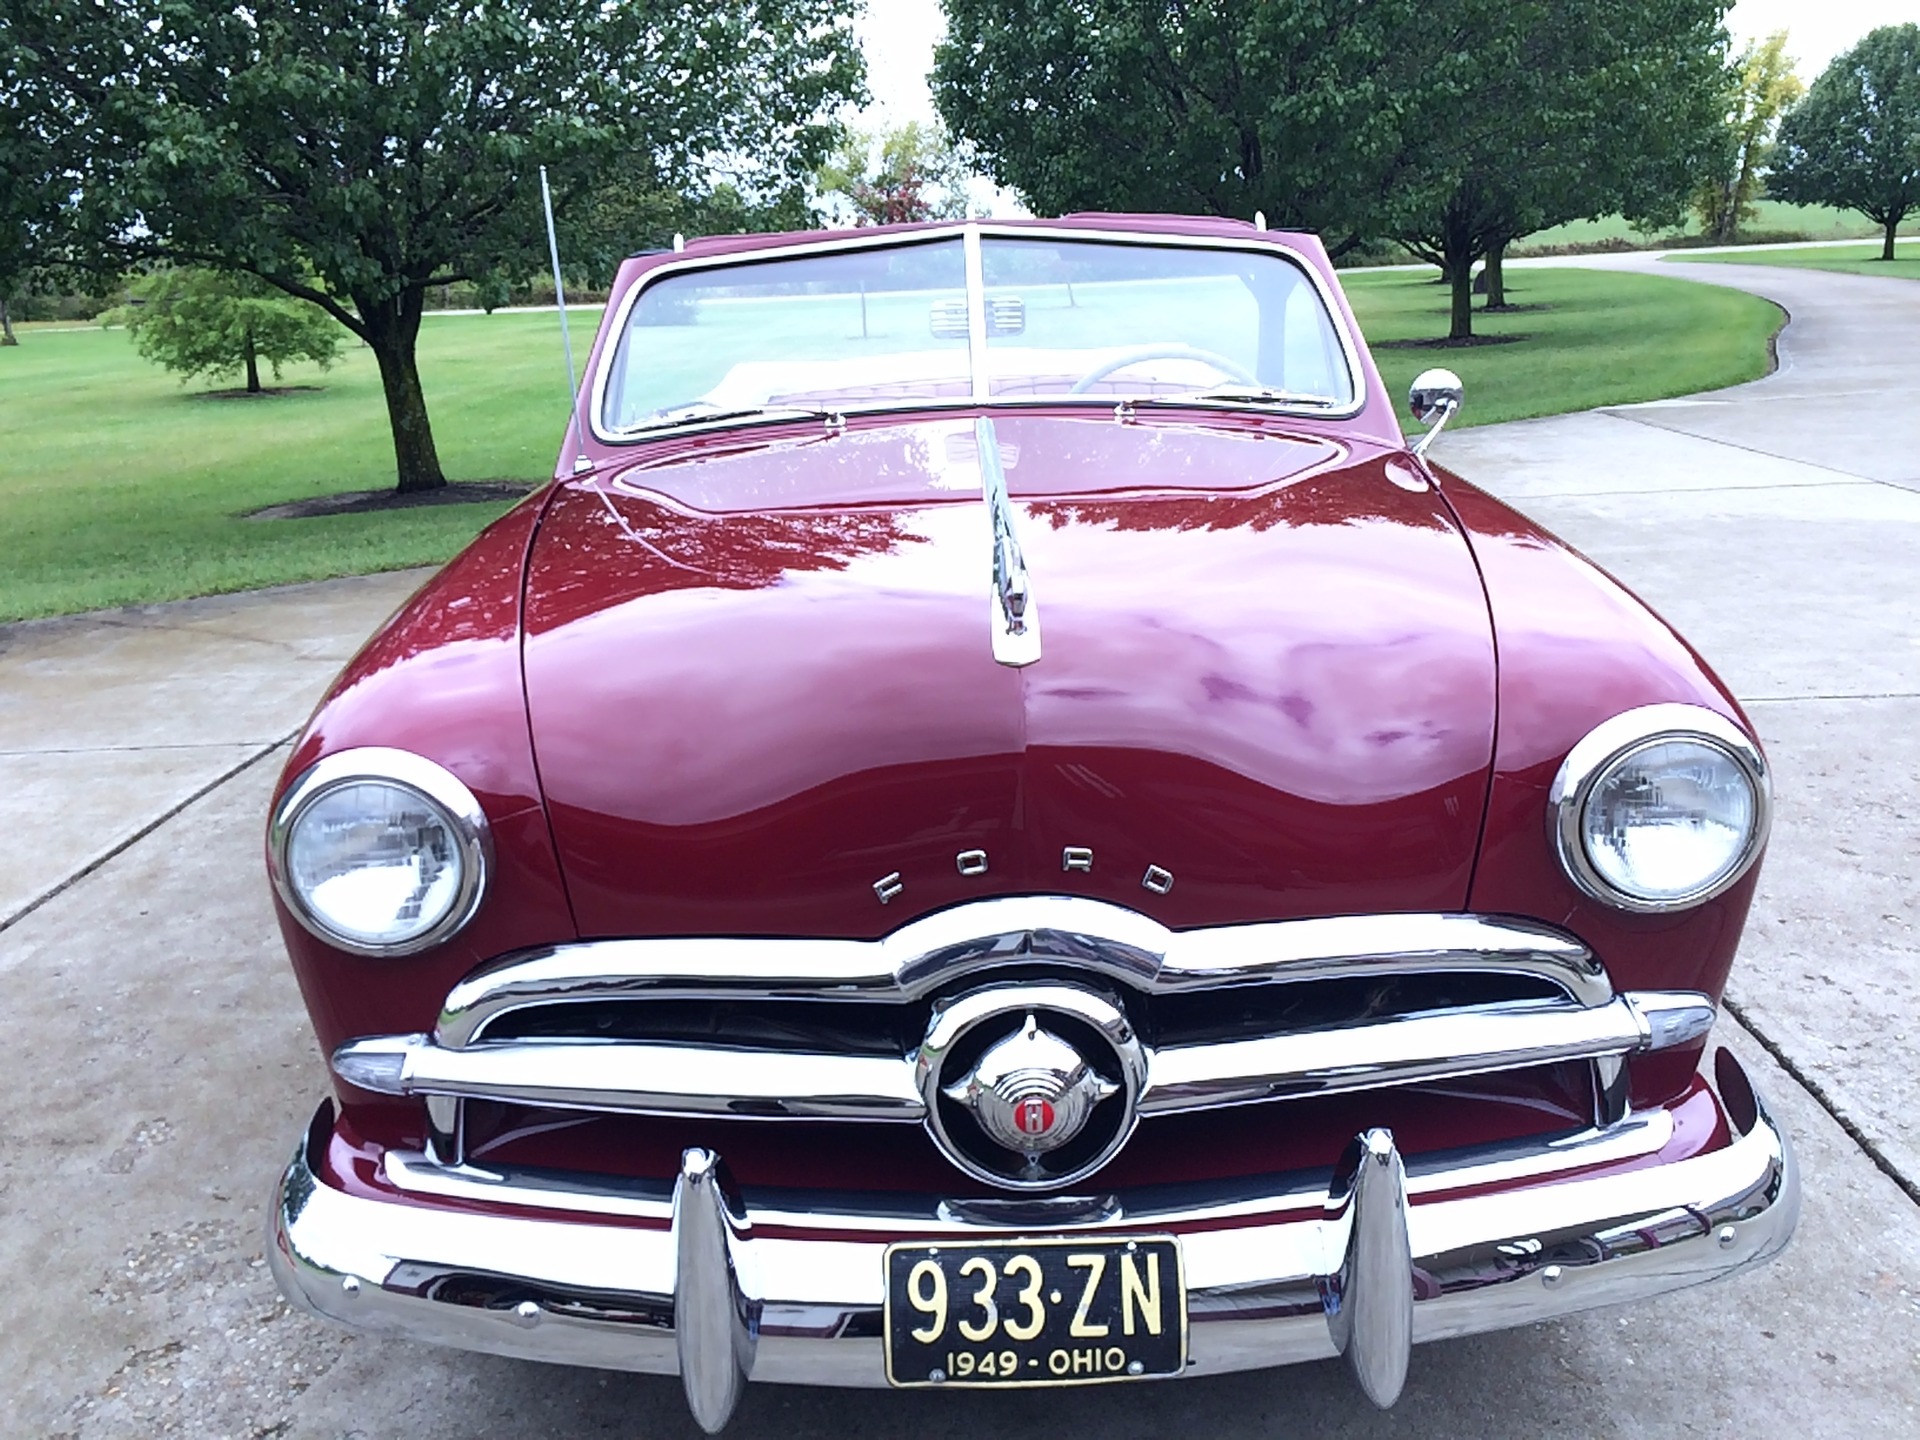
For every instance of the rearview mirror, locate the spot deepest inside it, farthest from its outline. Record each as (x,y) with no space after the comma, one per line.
(1006,315)
(1433,398)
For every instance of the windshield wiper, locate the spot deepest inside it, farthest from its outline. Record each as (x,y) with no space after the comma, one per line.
(1244,395)
(695,411)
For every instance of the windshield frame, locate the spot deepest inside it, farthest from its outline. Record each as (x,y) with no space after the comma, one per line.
(972,233)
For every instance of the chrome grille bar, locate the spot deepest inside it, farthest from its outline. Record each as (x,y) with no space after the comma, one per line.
(649,1079)
(1397,1051)
(1091,935)
(644,1077)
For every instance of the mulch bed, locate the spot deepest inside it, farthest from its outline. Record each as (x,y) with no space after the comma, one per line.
(1445,344)
(360,502)
(265,392)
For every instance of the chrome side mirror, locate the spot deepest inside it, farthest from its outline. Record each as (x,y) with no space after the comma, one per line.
(1434,398)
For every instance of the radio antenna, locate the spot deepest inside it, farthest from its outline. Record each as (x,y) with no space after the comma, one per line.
(574,388)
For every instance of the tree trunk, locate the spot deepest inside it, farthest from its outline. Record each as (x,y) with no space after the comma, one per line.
(7,337)
(1886,249)
(1462,326)
(393,333)
(253,365)
(1456,242)
(1496,277)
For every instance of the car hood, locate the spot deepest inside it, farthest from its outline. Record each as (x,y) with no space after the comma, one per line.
(763,694)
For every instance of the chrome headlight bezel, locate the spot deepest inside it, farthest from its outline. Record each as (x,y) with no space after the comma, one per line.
(1619,738)
(432,783)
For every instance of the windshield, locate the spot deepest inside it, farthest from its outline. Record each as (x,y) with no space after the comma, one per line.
(890,326)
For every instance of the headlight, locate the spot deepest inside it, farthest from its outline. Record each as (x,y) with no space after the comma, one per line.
(379,852)
(1660,808)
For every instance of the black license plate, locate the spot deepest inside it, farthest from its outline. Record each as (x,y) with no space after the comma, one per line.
(1071,1311)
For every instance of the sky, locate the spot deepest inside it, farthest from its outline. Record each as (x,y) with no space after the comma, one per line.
(899,37)
(1817,30)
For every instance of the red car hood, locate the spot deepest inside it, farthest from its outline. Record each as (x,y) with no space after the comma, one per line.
(761,680)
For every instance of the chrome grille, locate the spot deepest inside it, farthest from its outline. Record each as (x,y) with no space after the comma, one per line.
(827,1029)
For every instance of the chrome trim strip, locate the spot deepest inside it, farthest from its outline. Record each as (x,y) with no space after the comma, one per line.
(432,782)
(1612,741)
(1402,1051)
(585,1293)
(642,1078)
(1370,1297)
(1257,242)
(418,1173)
(1346,945)
(652,1078)
(983,935)
(1641,1134)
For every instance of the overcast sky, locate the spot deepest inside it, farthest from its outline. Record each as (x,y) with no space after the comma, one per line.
(899,36)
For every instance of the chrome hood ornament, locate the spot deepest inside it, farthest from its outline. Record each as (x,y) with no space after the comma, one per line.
(1030,1084)
(1032,1092)
(1016,620)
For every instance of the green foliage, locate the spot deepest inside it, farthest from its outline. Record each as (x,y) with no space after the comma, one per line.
(1763,88)
(1855,140)
(203,322)
(1455,130)
(898,175)
(625,211)
(1289,107)
(387,148)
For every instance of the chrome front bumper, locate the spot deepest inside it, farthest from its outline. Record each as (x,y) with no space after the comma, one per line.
(720,1291)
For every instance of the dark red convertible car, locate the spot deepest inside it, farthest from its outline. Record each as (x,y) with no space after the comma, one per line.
(997,826)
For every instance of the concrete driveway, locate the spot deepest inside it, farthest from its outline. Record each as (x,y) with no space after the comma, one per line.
(147,1011)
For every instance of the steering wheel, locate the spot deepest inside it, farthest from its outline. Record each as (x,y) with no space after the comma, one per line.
(1232,369)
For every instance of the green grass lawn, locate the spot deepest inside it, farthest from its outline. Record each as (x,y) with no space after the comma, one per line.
(1816,222)
(1849,259)
(1601,338)
(118,486)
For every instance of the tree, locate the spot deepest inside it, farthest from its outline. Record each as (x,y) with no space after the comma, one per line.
(358,153)
(23,207)
(1854,141)
(30,187)
(1526,114)
(1764,87)
(1278,106)
(1455,129)
(898,175)
(205,322)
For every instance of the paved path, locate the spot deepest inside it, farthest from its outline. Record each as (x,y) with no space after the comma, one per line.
(1777,525)
(110,723)
(145,1003)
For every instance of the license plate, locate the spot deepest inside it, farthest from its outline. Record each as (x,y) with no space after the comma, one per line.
(1074,1311)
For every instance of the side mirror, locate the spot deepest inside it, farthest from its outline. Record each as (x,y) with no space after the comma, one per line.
(1434,397)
